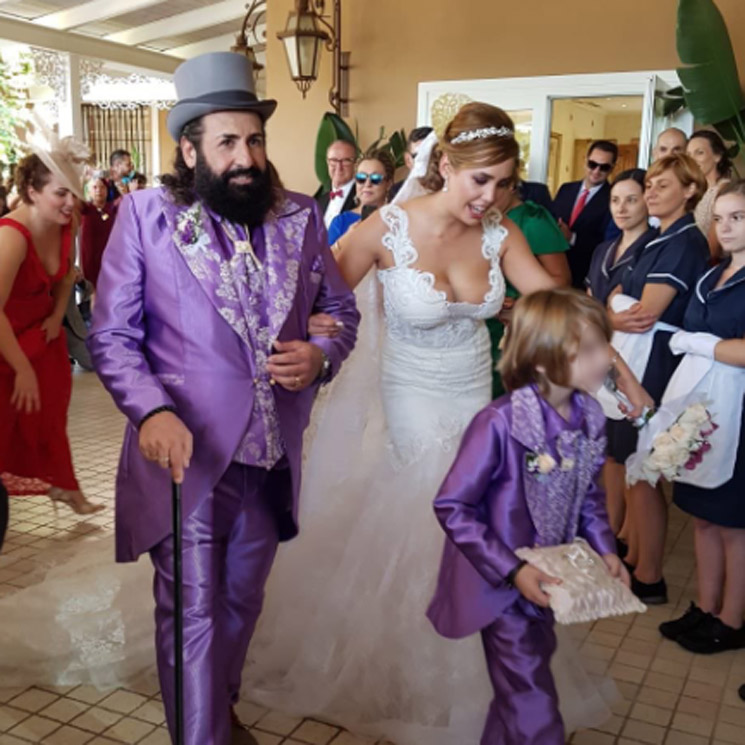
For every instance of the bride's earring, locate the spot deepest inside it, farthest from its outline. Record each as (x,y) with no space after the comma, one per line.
(445,186)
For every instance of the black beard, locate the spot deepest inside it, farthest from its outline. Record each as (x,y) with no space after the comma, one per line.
(243,204)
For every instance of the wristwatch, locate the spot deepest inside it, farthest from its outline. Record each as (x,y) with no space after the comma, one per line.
(324,374)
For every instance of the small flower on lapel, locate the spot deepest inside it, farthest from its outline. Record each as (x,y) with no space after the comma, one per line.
(317,269)
(540,463)
(190,234)
(567,464)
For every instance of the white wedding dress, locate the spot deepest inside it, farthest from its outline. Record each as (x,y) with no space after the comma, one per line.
(344,635)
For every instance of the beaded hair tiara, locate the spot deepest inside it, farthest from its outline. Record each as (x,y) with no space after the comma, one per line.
(481,134)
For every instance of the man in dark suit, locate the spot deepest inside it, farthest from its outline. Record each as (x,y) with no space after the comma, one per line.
(582,208)
(340,159)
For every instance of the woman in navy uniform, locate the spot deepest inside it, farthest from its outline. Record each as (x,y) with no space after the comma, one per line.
(661,279)
(612,258)
(610,261)
(715,322)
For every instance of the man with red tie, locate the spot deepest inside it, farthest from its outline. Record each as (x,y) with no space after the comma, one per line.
(340,158)
(582,208)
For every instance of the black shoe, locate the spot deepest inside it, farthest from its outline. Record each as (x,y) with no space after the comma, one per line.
(690,620)
(741,692)
(712,636)
(622,548)
(653,594)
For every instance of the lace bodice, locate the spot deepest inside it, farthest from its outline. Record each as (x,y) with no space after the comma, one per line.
(415,311)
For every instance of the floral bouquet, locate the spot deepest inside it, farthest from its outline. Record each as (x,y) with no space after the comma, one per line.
(681,446)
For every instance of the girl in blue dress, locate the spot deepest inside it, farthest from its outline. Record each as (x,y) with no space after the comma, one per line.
(715,329)
(661,280)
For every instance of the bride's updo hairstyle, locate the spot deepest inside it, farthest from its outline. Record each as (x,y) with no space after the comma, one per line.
(479,152)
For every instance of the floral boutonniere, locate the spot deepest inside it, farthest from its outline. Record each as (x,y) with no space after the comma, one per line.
(542,464)
(190,232)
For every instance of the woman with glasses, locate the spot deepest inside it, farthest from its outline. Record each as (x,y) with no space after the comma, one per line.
(372,181)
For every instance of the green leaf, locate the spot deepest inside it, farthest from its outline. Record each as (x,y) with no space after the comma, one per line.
(729,131)
(709,72)
(398,147)
(332,128)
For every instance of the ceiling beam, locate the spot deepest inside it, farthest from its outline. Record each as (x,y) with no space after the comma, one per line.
(215,44)
(23,32)
(91,12)
(212,14)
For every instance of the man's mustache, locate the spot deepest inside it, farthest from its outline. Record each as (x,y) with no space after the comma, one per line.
(253,173)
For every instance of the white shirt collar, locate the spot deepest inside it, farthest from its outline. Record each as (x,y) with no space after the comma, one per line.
(346,188)
(593,189)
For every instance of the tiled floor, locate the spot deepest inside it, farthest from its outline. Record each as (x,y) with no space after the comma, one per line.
(670,697)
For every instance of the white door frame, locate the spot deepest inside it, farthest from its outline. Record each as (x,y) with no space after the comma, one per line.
(537,94)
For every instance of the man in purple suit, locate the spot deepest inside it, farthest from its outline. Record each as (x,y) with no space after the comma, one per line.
(200,335)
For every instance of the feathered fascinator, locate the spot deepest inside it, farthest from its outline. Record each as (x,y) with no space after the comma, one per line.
(65,157)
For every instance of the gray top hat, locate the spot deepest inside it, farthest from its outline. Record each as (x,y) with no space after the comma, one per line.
(216,81)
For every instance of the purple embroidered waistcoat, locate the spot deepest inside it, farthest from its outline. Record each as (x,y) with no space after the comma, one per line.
(250,292)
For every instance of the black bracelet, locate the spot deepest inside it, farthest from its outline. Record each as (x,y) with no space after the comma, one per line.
(152,413)
(510,578)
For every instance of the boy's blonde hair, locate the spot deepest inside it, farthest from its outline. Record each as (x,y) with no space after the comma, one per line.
(545,331)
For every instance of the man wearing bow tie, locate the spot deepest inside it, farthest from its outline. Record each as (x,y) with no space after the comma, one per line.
(340,158)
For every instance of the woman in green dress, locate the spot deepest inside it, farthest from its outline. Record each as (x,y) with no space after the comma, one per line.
(548,245)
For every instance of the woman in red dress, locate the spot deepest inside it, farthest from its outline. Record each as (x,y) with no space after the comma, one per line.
(35,375)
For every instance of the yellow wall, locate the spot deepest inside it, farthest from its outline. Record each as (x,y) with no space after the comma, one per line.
(396,44)
(623,127)
(167,145)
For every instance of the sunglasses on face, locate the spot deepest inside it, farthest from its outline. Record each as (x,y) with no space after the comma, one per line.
(374,178)
(595,166)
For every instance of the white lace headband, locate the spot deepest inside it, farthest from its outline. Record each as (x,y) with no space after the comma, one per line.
(481,134)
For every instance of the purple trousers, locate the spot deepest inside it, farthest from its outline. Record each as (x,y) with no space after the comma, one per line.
(229,544)
(525,710)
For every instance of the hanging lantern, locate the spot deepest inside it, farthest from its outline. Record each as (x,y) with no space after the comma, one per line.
(303,39)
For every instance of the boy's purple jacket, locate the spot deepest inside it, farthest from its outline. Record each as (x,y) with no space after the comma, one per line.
(489,505)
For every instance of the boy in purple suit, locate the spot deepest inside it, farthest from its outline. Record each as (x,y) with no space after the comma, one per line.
(526,475)
(200,335)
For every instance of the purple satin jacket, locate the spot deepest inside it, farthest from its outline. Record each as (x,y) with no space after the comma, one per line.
(483,506)
(168,330)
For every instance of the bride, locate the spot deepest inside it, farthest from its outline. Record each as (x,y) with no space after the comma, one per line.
(343,635)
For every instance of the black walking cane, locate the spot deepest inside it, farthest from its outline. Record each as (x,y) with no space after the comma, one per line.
(178,611)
